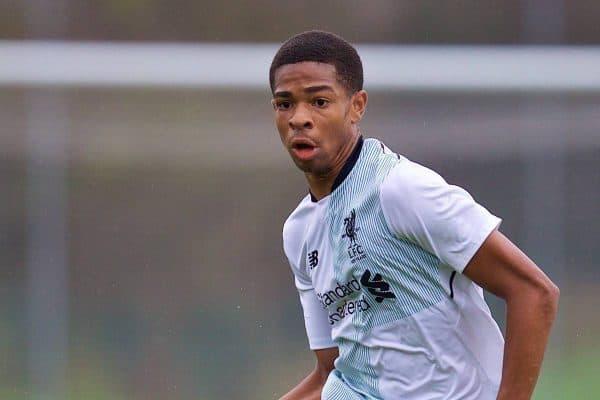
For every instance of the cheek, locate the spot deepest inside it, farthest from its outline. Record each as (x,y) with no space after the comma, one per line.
(334,126)
(281,125)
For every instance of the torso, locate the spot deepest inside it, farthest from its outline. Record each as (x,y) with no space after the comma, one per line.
(388,301)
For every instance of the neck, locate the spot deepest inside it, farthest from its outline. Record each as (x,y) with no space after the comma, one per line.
(322,185)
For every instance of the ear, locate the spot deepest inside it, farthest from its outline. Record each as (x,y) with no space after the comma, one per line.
(358,105)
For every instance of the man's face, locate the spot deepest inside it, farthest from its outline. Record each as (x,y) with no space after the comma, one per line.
(314,115)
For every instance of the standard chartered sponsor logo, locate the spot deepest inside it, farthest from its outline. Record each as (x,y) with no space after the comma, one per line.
(344,296)
(349,307)
(344,300)
(339,292)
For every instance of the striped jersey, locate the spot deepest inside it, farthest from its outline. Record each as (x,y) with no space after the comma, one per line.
(378,265)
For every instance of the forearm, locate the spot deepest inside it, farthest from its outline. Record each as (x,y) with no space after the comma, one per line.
(529,319)
(309,389)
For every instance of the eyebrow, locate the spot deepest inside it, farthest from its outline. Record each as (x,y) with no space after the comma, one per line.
(310,89)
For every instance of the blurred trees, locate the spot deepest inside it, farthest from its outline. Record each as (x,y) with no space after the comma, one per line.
(427,21)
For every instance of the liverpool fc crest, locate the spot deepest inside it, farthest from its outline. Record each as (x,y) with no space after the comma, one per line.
(355,250)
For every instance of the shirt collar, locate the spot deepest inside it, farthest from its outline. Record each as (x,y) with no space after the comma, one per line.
(348,165)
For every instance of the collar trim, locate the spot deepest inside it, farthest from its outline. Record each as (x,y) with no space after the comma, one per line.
(348,165)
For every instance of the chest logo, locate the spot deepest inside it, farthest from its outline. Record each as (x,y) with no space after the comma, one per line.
(313,259)
(355,250)
(350,227)
(377,286)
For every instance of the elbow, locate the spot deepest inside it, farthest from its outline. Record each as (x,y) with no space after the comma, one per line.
(552,293)
(540,297)
(555,293)
(548,297)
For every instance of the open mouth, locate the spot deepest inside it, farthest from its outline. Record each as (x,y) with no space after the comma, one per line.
(303,150)
(303,146)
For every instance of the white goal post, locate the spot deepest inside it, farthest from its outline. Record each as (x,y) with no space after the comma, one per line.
(245,66)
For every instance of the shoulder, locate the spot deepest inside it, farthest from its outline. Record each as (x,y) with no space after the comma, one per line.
(408,181)
(294,241)
(419,205)
(295,225)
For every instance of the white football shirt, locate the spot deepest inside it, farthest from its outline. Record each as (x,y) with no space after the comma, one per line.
(378,266)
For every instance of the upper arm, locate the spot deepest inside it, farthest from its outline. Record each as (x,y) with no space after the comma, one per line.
(504,270)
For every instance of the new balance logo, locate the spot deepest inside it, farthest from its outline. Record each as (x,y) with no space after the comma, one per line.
(313,259)
(377,286)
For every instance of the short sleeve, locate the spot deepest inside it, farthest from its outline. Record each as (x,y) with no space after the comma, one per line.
(316,319)
(420,206)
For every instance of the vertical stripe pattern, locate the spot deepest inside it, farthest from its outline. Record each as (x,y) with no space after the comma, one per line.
(410,271)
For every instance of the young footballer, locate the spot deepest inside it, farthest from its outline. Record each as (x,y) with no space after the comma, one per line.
(390,260)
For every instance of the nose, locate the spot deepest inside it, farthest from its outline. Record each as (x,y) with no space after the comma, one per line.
(301,118)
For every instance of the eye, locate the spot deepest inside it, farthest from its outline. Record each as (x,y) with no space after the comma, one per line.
(321,103)
(283,105)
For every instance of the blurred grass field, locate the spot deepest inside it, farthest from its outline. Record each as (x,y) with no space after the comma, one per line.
(574,377)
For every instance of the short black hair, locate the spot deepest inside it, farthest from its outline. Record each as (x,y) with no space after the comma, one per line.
(323,47)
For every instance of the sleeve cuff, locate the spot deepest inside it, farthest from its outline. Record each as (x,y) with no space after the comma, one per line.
(321,343)
(477,240)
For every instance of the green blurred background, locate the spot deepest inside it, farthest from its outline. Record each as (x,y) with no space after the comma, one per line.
(140,251)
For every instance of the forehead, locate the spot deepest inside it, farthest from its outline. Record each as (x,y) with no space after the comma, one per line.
(291,77)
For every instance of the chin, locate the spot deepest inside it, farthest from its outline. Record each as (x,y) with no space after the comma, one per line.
(311,168)
(303,166)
